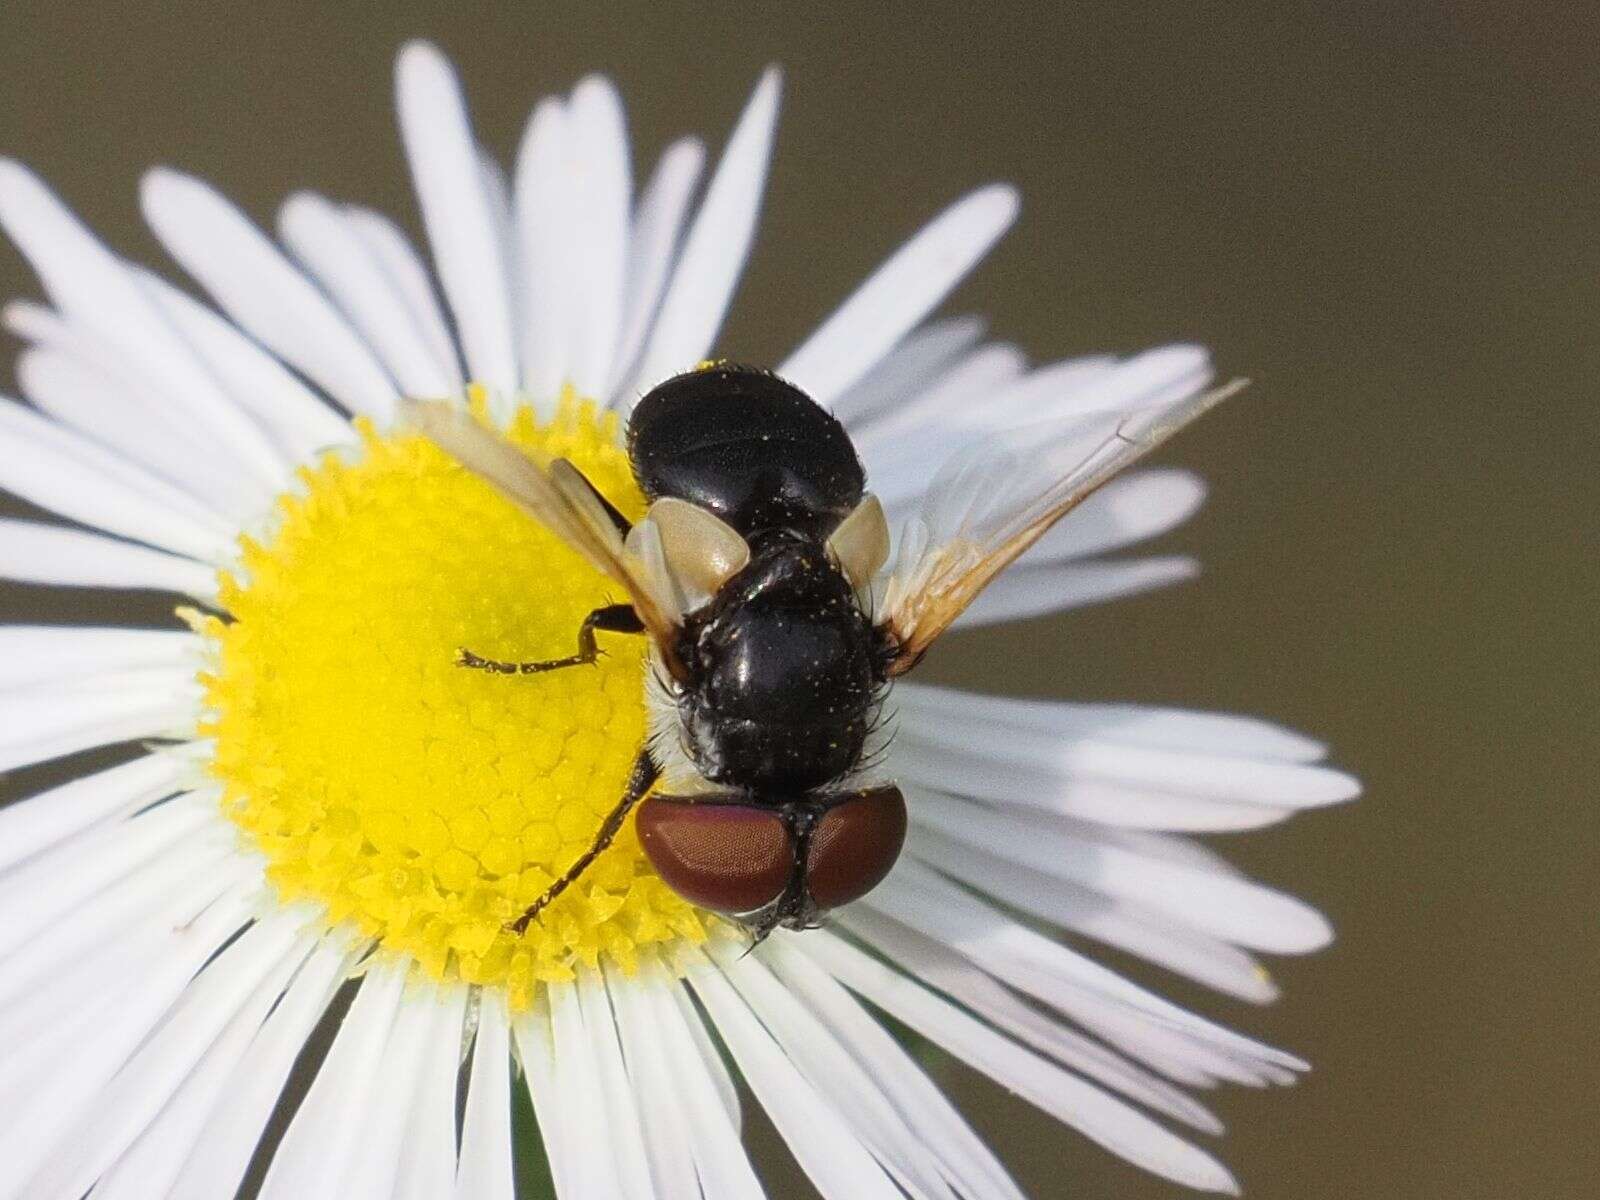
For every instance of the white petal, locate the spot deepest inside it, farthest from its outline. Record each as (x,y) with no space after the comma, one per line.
(107,941)
(169,887)
(1148,379)
(54,881)
(57,469)
(258,287)
(550,276)
(599,150)
(1237,910)
(49,1024)
(939,967)
(1039,760)
(924,427)
(223,1151)
(172,678)
(1113,1124)
(562,1104)
(624,1130)
(1127,510)
(1124,924)
(972,1165)
(75,1080)
(111,407)
(1032,591)
(1101,801)
(81,275)
(587,1156)
(38,822)
(900,293)
(711,1060)
(331,250)
(1089,993)
(371,1169)
(945,712)
(1156,1045)
(427,1168)
(905,446)
(716,247)
(302,422)
(839,1079)
(34,322)
(157,1158)
(719,1156)
(41,653)
(664,1119)
(321,1139)
(467,252)
(911,368)
(816,1134)
(55,556)
(37,725)
(136,1095)
(484,1171)
(652,248)
(989,391)
(92,286)
(1075,388)
(410,278)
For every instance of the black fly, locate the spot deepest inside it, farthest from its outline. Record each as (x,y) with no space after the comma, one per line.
(755,573)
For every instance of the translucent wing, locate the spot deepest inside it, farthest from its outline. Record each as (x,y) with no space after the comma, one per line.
(990,504)
(560,498)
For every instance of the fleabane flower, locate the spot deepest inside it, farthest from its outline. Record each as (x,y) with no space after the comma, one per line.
(321,800)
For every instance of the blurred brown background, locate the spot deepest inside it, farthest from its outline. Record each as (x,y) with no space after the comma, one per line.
(1388,215)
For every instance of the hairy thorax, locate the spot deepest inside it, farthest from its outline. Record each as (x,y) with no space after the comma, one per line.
(787,673)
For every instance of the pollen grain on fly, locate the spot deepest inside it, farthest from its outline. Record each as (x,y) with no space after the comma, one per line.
(428,804)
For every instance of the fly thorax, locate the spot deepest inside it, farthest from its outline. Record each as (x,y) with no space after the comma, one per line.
(785,676)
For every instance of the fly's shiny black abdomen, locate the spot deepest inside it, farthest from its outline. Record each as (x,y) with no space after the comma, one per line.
(755,450)
(787,668)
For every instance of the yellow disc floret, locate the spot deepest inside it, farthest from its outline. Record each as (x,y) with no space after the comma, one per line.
(428,804)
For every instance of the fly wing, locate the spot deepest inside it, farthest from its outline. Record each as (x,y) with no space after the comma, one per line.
(992,503)
(559,497)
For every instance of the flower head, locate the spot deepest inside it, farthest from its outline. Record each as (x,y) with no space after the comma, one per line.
(323,796)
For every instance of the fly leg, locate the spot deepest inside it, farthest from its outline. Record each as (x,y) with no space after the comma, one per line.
(644,774)
(613,618)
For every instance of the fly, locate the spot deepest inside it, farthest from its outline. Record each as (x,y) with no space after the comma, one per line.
(757,573)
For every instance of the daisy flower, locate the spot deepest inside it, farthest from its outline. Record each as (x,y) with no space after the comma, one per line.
(316,801)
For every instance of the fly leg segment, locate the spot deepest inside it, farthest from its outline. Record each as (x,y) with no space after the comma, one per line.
(613,618)
(644,774)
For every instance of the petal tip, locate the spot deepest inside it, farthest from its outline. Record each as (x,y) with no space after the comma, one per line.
(421,72)
(1007,197)
(1317,934)
(418,54)
(163,178)
(300,204)
(15,174)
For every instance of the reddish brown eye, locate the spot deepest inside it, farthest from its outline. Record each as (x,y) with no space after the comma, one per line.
(732,858)
(854,844)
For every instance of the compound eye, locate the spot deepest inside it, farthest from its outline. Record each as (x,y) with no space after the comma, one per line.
(730,858)
(854,844)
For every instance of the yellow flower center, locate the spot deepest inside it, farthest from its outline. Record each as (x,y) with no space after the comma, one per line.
(426,803)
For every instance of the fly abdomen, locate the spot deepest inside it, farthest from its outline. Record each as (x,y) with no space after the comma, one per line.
(746,445)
